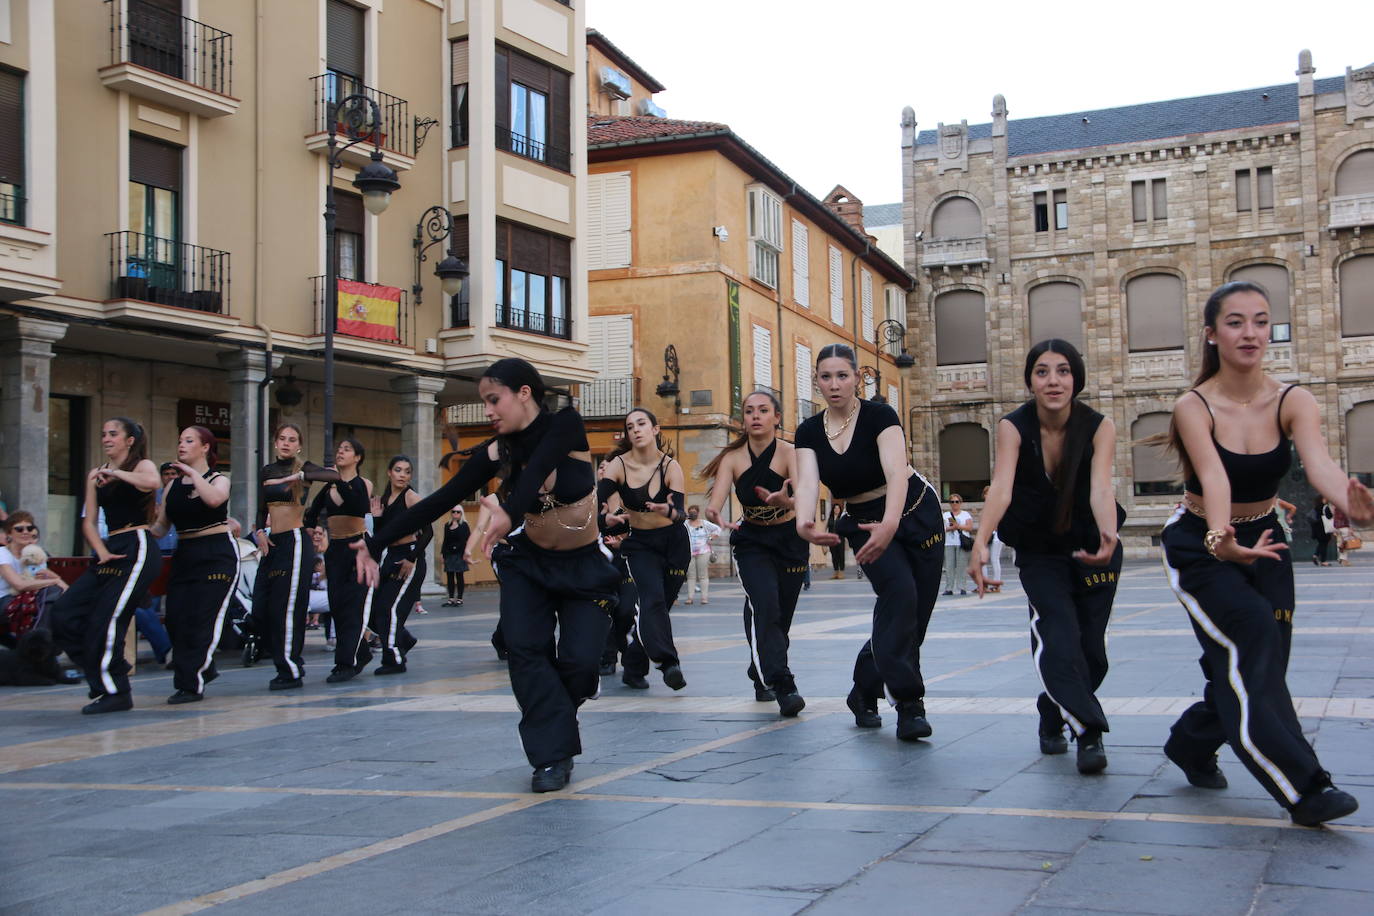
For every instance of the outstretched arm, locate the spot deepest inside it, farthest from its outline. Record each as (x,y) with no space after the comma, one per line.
(1345,493)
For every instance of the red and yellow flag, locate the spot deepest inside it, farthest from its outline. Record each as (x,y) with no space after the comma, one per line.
(368,310)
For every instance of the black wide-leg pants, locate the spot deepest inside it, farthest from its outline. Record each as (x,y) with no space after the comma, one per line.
(1243,619)
(388,606)
(204,572)
(657,559)
(1070,607)
(346,598)
(906,580)
(281,596)
(772,561)
(91,619)
(572,592)
(623,620)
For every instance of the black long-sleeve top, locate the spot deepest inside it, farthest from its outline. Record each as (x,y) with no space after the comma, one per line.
(353,501)
(531,455)
(287,492)
(455,539)
(394,506)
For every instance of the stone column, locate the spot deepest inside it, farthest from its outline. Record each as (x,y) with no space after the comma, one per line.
(418,436)
(25,364)
(247,369)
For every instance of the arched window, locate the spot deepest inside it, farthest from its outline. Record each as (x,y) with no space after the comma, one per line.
(956,218)
(1359,441)
(1273,279)
(1356,284)
(1056,310)
(964,464)
(1154,312)
(1356,174)
(1154,470)
(961,328)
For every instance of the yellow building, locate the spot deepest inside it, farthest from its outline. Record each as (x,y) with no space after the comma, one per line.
(162,240)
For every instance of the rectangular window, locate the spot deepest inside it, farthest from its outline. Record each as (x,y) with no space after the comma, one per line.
(801,265)
(344,24)
(765,235)
(350,227)
(12,161)
(608,235)
(1159,199)
(529,126)
(1061,209)
(1042,212)
(1140,207)
(1243,198)
(866,286)
(535,288)
(154,212)
(1149,200)
(1264,187)
(533,109)
(458,94)
(154,29)
(836,286)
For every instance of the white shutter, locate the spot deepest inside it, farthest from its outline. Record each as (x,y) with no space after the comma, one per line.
(801,265)
(836,287)
(866,283)
(596,343)
(763,357)
(594,236)
(611,350)
(893,397)
(615,225)
(803,378)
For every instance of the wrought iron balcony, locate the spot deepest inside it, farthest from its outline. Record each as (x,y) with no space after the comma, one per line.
(608,397)
(533,322)
(12,203)
(806,410)
(168,272)
(466,415)
(395,132)
(198,58)
(528,148)
(367,311)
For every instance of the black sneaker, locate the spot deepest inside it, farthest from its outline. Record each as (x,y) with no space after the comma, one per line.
(789,704)
(672,676)
(284,683)
(1052,740)
(635,681)
(606,669)
(865,712)
(763,694)
(339,675)
(184,696)
(1202,772)
(553,777)
(911,721)
(391,669)
(1092,757)
(1320,805)
(110,702)
(948,591)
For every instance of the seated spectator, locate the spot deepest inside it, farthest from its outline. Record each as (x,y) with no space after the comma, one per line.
(25,592)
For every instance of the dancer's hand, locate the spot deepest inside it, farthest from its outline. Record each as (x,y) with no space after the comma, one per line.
(880,534)
(1228,549)
(498,523)
(809,531)
(405,568)
(978,558)
(663,509)
(713,516)
(368,572)
(1103,555)
(1359,503)
(778,498)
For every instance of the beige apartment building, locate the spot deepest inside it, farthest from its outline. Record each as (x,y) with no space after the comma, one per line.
(1109,228)
(162,241)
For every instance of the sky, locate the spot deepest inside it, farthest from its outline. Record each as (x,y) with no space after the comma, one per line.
(819,87)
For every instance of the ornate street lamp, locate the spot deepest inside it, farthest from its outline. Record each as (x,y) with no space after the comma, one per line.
(435,225)
(891,330)
(668,388)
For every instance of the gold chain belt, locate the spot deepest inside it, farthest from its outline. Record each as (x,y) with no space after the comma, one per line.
(1235,520)
(765,515)
(910,509)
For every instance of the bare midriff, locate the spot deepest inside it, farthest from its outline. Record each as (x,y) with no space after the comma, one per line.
(284,516)
(648,520)
(565,527)
(346,526)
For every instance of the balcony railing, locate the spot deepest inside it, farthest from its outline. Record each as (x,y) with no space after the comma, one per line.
(945,252)
(537,150)
(367,311)
(466,415)
(11,203)
(534,322)
(168,272)
(1352,210)
(608,397)
(458,310)
(395,132)
(146,35)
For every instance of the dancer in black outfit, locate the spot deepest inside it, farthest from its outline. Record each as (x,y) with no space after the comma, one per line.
(91,619)
(347,502)
(1225,555)
(555,576)
(403,569)
(205,566)
(281,591)
(657,549)
(1051,494)
(772,559)
(892,520)
(454,550)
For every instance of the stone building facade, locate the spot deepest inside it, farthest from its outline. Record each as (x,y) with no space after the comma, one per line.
(1109,228)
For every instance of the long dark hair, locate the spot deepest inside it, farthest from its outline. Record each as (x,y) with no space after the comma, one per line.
(395,460)
(355,445)
(514,373)
(713,466)
(1077,435)
(624,446)
(139,449)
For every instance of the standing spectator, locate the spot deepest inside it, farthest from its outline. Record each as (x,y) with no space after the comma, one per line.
(836,550)
(1323,523)
(456,556)
(1341,522)
(958,525)
(700,534)
(993,569)
(1286,513)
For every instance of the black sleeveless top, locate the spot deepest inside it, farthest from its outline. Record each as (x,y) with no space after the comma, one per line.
(188,512)
(638,498)
(353,497)
(859,469)
(758,474)
(125,505)
(1254,477)
(1028,524)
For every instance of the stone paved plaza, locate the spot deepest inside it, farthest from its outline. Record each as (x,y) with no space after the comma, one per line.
(410,794)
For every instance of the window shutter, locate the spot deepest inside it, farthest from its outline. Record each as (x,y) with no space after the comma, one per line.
(460,61)
(560,257)
(763,357)
(1154,312)
(615,220)
(893,396)
(801,265)
(1056,310)
(1159,191)
(1359,437)
(961,334)
(11,127)
(530,72)
(1138,201)
(560,111)
(1355,281)
(154,163)
(1356,174)
(458,239)
(1151,463)
(529,250)
(594,238)
(803,377)
(344,39)
(1273,279)
(1242,190)
(866,281)
(502,90)
(1264,181)
(620,337)
(836,287)
(348,212)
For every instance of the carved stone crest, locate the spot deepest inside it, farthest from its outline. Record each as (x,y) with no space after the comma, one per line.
(953,146)
(1359,93)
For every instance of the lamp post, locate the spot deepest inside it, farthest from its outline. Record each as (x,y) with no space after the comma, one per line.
(891,331)
(436,225)
(376,182)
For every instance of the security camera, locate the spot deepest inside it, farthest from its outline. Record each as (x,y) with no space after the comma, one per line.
(920,235)
(721,233)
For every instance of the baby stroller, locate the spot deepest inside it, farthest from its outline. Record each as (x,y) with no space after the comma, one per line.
(239,633)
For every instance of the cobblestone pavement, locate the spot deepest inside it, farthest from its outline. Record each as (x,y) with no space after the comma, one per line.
(410,794)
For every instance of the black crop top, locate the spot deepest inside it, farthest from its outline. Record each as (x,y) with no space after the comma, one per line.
(535,452)
(187,512)
(758,474)
(394,506)
(353,501)
(125,505)
(859,469)
(288,493)
(637,499)
(1254,476)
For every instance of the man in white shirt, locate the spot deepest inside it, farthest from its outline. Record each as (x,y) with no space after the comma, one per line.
(700,533)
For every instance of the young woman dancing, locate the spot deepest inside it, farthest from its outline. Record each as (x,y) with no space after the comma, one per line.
(892,520)
(1051,499)
(281,591)
(772,559)
(555,577)
(346,502)
(657,549)
(91,619)
(454,550)
(1227,561)
(205,566)
(403,569)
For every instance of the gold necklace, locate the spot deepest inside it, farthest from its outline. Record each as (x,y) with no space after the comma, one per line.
(825,423)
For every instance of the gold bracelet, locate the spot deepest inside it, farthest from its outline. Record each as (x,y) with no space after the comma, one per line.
(1212,539)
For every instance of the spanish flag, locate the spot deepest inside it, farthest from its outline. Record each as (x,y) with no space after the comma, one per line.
(368,310)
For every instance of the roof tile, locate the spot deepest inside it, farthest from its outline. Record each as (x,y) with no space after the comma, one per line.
(609,129)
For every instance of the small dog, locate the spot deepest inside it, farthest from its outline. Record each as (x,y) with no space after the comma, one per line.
(32,663)
(34,558)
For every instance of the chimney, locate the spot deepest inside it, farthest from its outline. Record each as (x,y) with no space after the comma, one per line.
(847,207)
